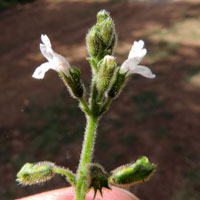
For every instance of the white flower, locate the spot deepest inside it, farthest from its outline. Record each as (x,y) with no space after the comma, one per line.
(55,61)
(135,56)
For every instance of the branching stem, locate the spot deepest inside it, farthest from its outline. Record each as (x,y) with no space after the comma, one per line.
(85,106)
(71,177)
(105,105)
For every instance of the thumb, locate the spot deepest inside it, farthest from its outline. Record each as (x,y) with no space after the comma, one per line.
(69,194)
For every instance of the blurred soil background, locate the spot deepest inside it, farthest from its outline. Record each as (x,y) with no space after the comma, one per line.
(159,118)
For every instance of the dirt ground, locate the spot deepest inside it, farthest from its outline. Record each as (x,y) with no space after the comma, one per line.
(158,118)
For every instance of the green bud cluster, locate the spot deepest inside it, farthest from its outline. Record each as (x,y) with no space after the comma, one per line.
(73,82)
(101,38)
(35,173)
(133,173)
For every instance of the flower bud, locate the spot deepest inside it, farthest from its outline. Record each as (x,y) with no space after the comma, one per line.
(106,72)
(73,82)
(116,84)
(101,38)
(93,43)
(35,173)
(107,31)
(133,173)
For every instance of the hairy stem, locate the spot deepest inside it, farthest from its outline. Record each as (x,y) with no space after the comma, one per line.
(71,177)
(94,95)
(84,105)
(86,157)
(105,105)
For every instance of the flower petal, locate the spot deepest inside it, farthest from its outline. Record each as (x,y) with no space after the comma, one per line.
(56,61)
(46,52)
(41,70)
(130,64)
(46,40)
(142,70)
(137,45)
(60,63)
(140,44)
(136,52)
(126,66)
(46,48)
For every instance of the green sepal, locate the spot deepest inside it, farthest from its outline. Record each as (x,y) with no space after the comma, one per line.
(117,84)
(93,62)
(107,32)
(99,63)
(75,71)
(73,82)
(33,173)
(92,41)
(106,71)
(97,178)
(102,15)
(133,173)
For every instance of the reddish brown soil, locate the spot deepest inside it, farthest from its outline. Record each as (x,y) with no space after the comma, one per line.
(169,135)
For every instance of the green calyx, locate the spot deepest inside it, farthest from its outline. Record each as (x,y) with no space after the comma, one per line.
(101,38)
(133,173)
(117,83)
(93,41)
(73,82)
(97,178)
(35,173)
(107,32)
(106,71)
